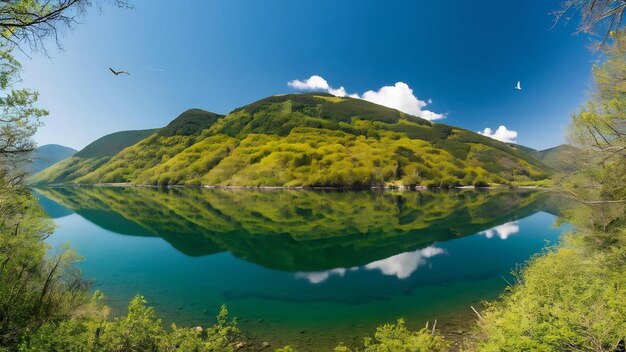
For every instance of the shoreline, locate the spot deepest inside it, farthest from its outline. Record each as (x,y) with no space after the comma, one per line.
(348,188)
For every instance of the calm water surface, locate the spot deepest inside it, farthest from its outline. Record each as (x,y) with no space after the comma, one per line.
(305,268)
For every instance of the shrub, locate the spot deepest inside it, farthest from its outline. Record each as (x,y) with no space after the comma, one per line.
(568,297)
(397,338)
(139,330)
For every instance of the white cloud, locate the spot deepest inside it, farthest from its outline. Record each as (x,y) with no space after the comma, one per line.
(502,231)
(404,264)
(314,82)
(399,96)
(502,134)
(318,83)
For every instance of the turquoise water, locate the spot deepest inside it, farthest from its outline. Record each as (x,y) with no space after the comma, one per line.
(304,268)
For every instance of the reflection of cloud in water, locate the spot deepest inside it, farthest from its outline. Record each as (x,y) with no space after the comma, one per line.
(321,276)
(503,231)
(404,264)
(400,265)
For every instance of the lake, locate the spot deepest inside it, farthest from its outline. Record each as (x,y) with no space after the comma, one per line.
(302,267)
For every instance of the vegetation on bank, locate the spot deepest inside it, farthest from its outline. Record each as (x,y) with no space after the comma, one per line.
(569,298)
(572,296)
(139,330)
(396,337)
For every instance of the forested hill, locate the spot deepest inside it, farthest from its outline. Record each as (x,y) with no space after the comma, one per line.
(89,158)
(310,139)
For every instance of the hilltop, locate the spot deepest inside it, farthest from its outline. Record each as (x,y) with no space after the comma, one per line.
(313,139)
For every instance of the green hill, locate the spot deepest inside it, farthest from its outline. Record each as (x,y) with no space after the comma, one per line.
(90,157)
(189,123)
(311,139)
(559,158)
(46,155)
(113,143)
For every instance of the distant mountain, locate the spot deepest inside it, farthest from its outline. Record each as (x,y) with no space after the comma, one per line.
(90,157)
(313,139)
(47,155)
(560,158)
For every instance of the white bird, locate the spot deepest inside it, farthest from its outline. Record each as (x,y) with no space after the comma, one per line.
(518,86)
(117,73)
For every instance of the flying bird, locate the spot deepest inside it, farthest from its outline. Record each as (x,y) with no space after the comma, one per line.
(117,73)
(518,86)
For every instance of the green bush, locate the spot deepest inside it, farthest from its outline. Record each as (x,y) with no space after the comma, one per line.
(397,338)
(568,299)
(139,330)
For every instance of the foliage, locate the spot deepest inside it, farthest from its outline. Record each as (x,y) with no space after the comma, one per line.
(139,330)
(572,297)
(34,288)
(599,132)
(398,338)
(19,117)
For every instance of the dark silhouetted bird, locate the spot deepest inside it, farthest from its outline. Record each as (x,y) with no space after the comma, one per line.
(117,73)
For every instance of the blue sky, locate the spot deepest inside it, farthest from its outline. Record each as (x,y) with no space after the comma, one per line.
(218,55)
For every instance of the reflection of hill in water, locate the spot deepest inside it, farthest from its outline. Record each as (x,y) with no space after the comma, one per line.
(297,230)
(53,209)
